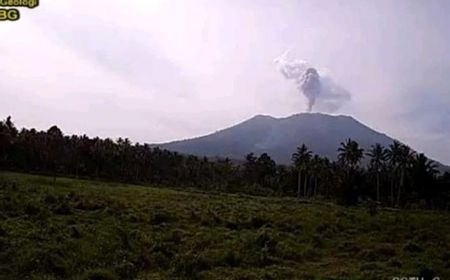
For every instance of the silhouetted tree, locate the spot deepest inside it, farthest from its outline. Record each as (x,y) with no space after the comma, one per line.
(378,157)
(301,159)
(350,154)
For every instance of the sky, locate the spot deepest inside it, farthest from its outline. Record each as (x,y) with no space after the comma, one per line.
(161,70)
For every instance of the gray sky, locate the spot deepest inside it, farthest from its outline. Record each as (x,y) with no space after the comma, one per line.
(159,70)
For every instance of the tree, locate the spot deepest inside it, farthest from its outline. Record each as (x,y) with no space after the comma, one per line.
(424,172)
(55,149)
(350,154)
(250,167)
(317,167)
(8,133)
(301,159)
(400,157)
(378,157)
(10,127)
(394,157)
(413,176)
(266,169)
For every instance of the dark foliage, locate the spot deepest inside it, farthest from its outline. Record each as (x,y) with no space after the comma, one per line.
(396,176)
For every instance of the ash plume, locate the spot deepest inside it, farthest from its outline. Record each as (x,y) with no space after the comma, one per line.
(315,86)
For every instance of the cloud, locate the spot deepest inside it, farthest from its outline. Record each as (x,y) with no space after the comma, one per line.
(316,86)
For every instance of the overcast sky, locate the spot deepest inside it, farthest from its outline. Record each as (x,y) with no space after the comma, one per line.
(156,71)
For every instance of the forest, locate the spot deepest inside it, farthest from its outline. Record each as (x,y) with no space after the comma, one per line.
(393,176)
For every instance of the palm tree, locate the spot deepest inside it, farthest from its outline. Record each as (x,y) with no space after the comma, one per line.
(393,154)
(350,154)
(250,168)
(317,167)
(400,157)
(378,157)
(424,173)
(422,163)
(301,160)
(406,160)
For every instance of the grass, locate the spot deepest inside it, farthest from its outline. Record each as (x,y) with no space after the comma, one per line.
(78,229)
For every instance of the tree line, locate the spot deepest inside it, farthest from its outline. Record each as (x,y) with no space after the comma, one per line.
(395,176)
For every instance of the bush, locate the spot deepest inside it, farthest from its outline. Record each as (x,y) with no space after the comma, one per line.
(75,232)
(126,270)
(160,217)
(265,239)
(48,262)
(63,209)
(318,241)
(2,231)
(369,267)
(31,209)
(349,247)
(413,248)
(426,273)
(100,274)
(50,199)
(189,265)
(258,222)
(231,259)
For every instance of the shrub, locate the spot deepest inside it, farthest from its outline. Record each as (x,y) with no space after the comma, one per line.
(349,247)
(160,217)
(369,267)
(394,262)
(63,209)
(426,273)
(126,270)
(265,239)
(311,255)
(75,232)
(189,265)
(258,222)
(50,199)
(31,209)
(100,274)
(413,247)
(2,231)
(318,241)
(231,259)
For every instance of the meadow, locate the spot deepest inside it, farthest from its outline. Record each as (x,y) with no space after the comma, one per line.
(79,229)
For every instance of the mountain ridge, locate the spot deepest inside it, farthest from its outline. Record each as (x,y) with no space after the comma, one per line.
(279,137)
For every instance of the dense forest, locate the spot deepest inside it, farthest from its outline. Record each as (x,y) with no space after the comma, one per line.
(396,176)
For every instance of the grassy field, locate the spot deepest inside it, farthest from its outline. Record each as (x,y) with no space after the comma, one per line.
(77,229)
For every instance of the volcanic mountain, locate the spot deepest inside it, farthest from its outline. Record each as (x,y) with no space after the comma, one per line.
(279,137)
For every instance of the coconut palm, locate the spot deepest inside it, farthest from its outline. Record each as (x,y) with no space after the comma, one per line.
(400,157)
(393,154)
(317,166)
(378,157)
(350,154)
(301,159)
(424,172)
(424,165)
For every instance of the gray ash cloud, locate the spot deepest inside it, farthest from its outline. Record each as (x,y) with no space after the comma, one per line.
(316,87)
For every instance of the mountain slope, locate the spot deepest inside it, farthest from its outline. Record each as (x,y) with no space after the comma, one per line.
(279,137)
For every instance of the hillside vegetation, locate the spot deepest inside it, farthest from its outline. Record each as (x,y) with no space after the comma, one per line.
(394,176)
(279,137)
(73,229)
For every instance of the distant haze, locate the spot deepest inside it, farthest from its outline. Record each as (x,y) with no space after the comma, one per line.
(156,71)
